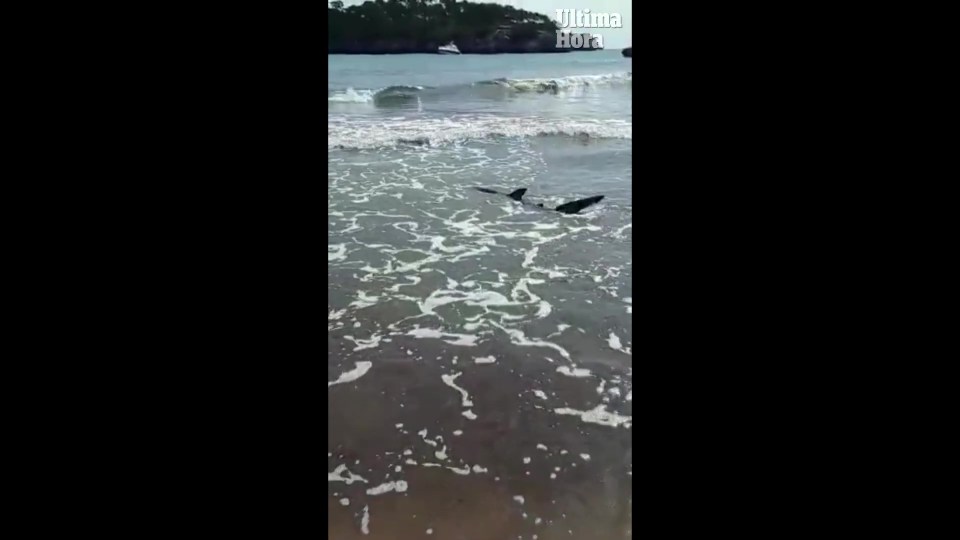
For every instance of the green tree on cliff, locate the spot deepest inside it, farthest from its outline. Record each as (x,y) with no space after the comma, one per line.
(428,22)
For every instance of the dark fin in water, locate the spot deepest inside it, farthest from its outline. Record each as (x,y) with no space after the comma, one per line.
(576,206)
(518,194)
(485,190)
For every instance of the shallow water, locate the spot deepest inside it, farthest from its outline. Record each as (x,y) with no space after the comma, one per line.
(480,366)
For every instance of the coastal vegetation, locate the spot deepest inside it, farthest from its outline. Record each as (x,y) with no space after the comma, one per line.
(420,26)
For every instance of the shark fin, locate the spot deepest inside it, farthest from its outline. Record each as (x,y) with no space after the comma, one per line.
(576,206)
(518,194)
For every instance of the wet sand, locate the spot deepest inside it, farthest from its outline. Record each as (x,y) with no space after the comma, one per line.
(519,469)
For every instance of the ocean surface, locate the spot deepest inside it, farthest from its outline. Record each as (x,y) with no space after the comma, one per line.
(480,350)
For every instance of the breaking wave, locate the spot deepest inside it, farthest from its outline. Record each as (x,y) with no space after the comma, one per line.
(348,133)
(562,83)
(383,95)
(401,94)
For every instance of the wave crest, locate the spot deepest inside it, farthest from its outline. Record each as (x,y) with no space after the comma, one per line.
(351,96)
(401,94)
(349,133)
(562,83)
(388,95)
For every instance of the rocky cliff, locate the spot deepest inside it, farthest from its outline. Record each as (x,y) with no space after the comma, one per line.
(421,26)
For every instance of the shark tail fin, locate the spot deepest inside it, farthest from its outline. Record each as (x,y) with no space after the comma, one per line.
(518,194)
(576,206)
(485,190)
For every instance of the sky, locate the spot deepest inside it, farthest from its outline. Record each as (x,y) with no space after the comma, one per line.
(613,38)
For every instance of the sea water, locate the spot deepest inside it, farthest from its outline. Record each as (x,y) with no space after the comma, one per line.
(479,350)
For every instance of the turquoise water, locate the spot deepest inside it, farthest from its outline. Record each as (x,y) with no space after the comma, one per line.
(450,77)
(479,350)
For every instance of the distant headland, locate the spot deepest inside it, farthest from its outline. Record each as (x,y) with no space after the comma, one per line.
(421,26)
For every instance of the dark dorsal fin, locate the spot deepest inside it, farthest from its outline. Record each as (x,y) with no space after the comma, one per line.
(518,194)
(576,206)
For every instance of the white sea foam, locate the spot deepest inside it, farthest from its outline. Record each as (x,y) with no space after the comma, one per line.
(465,471)
(598,415)
(363,300)
(614,342)
(465,340)
(562,84)
(371,343)
(365,520)
(449,381)
(517,337)
(423,435)
(337,476)
(336,252)
(354,133)
(574,371)
(351,96)
(352,375)
(399,486)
